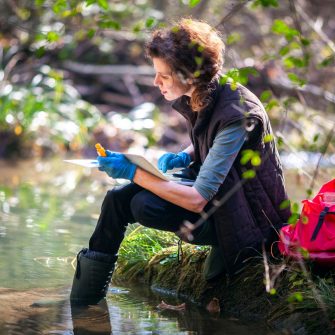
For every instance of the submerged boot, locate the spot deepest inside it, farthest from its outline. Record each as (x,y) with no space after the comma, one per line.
(92,277)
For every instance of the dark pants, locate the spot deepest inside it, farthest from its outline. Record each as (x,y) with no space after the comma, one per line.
(131,203)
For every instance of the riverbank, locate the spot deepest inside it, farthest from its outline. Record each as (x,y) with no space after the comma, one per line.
(298,302)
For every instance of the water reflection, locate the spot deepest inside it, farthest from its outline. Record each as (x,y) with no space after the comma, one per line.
(90,320)
(124,313)
(43,223)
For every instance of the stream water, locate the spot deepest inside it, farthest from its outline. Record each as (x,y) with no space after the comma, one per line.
(47,213)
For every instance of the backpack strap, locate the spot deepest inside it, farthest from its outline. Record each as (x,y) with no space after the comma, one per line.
(320,222)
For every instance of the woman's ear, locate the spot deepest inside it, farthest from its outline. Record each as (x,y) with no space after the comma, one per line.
(189,81)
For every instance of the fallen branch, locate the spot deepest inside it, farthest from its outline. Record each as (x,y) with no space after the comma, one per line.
(90,69)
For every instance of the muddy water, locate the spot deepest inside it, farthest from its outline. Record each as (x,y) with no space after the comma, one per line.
(47,212)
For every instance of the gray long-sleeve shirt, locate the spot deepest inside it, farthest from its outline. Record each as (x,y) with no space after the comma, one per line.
(220,159)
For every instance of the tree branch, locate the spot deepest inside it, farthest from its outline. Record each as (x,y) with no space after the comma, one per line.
(91,69)
(316,28)
(233,12)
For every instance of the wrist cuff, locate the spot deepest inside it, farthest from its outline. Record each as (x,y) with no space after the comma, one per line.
(185,157)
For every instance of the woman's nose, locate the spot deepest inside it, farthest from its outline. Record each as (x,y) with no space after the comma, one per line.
(157,81)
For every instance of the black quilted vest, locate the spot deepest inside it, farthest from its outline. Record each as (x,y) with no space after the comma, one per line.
(251,213)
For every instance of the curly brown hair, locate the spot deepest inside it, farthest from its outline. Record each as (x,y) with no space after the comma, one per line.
(194,50)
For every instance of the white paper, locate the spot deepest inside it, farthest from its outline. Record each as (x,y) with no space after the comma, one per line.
(144,164)
(90,163)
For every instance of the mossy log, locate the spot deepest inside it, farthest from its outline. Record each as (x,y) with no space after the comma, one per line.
(243,296)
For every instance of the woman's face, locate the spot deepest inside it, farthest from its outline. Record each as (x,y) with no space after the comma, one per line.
(168,82)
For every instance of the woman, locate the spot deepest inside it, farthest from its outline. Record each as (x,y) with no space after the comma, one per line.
(223,122)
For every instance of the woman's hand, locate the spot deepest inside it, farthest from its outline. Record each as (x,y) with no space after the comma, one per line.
(116,165)
(170,160)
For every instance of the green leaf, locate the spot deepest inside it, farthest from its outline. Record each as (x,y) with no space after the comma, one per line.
(246,156)
(150,22)
(330,60)
(91,33)
(233,74)
(223,80)
(293,218)
(285,204)
(284,50)
(305,41)
(304,252)
(296,80)
(256,160)
(39,2)
(90,2)
(40,52)
(245,72)
(241,75)
(316,137)
(281,28)
(268,138)
(288,102)
(137,27)
(59,6)
(309,192)
(103,4)
(198,60)
(109,24)
(249,174)
(52,36)
(233,38)
(193,3)
(280,141)
(233,85)
(196,74)
(271,104)
(266,3)
(291,62)
(295,207)
(266,95)
(201,48)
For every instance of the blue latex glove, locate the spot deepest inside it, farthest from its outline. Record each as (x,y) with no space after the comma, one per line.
(170,160)
(116,165)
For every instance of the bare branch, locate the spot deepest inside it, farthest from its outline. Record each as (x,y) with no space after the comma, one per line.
(121,70)
(316,27)
(232,13)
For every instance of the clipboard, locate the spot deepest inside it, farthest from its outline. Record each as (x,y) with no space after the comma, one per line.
(138,160)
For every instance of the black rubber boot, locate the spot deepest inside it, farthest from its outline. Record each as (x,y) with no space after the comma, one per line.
(214,264)
(92,277)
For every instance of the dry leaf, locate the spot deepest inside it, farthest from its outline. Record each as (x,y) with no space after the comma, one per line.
(213,306)
(164,305)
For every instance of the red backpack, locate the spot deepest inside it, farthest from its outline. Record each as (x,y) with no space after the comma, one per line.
(313,235)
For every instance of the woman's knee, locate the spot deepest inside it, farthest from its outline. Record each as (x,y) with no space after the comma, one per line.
(140,206)
(122,193)
(151,211)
